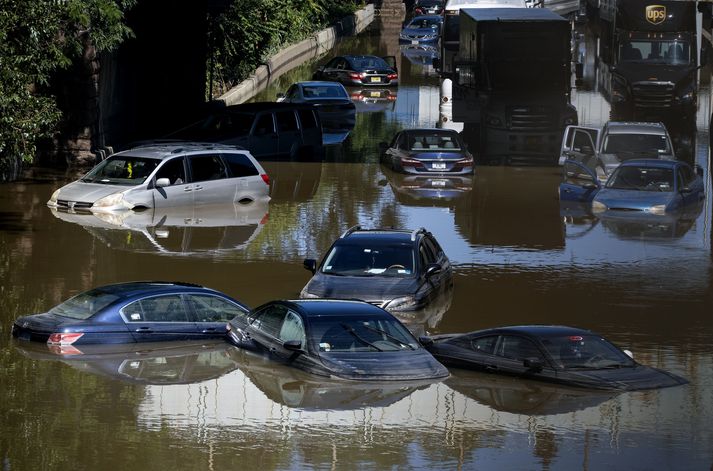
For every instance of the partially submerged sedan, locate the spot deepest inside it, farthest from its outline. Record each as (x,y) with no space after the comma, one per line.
(335,107)
(559,354)
(352,70)
(133,312)
(421,29)
(166,175)
(427,151)
(336,338)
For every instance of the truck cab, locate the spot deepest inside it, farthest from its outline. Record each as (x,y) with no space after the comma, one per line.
(602,150)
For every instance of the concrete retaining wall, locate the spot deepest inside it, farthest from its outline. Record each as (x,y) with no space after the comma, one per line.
(297,54)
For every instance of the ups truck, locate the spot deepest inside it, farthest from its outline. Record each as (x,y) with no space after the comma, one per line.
(649,57)
(512,83)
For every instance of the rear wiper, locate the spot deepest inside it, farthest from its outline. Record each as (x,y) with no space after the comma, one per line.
(394,339)
(351,330)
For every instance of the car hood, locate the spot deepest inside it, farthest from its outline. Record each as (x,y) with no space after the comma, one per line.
(403,365)
(88,192)
(436,155)
(625,379)
(370,288)
(632,199)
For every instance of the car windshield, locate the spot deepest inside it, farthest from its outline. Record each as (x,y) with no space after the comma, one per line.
(424,23)
(641,179)
(585,352)
(370,333)
(636,144)
(433,141)
(122,170)
(369,62)
(665,51)
(370,260)
(84,305)
(324,91)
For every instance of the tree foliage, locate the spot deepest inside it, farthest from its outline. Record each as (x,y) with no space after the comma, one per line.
(38,37)
(248,32)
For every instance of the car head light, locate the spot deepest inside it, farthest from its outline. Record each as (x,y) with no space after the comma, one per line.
(657,209)
(404,303)
(598,207)
(109,201)
(53,198)
(304,294)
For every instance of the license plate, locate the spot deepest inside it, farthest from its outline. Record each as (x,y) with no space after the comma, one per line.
(439,183)
(438,166)
(414,41)
(376,79)
(375,94)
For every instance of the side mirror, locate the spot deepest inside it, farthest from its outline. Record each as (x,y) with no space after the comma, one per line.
(310,264)
(280,95)
(686,190)
(589,186)
(425,340)
(293,345)
(433,269)
(163,182)
(533,364)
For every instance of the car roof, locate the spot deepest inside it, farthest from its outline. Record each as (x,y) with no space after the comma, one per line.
(134,288)
(333,307)
(420,17)
(163,150)
(356,233)
(654,163)
(632,127)
(358,56)
(323,83)
(536,330)
(431,130)
(266,106)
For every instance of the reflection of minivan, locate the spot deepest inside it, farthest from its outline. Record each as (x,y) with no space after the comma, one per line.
(157,176)
(266,129)
(618,141)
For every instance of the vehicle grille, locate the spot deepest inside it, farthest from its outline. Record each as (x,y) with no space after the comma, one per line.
(531,118)
(653,94)
(73,204)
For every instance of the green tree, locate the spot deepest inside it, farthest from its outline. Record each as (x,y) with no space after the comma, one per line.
(38,37)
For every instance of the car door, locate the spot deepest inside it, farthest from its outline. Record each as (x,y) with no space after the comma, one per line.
(171,186)
(579,183)
(512,351)
(159,318)
(268,331)
(690,186)
(212,313)
(571,149)
(332,69)
(263,140)
(392,155)
(209,176)
(290,137)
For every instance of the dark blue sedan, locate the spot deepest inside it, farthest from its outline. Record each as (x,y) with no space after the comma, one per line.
(133,312)
(649,186)
(421,29)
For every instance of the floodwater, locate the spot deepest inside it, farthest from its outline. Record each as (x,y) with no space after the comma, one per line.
(645,284)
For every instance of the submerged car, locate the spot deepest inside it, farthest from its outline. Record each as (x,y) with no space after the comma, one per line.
(335,107)
(648,186)
(166,175)
(352,70)
(428,7)
(398,270)
(427,151)
(560,354)
(335,338)
(133,312)
(421,29)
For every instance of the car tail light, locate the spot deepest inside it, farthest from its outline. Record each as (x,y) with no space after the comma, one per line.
(264,219)
(391,97)
(466,161)
(265,178)
(392,76)
(411,162)
(60,338)
(356,76)
(419,11)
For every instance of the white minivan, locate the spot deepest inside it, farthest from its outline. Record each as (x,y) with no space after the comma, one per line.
(166,175)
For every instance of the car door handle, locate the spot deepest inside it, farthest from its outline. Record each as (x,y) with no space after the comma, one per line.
(144,329)
(491,368)
(197,187)
(188,188)
(209,330)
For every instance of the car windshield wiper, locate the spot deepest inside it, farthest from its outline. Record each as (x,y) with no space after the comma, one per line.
(391,337)
(351,330)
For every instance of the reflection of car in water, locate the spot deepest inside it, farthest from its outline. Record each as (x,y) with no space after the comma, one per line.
(293,183)
(644,226)
(515,396)
(159,364)
(428,190)
(373,99)
(190,230)
(298,389)
(419,54)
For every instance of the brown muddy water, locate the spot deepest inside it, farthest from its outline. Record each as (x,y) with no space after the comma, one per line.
(645,285)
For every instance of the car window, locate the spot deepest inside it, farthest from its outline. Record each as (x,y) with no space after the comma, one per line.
(208,308)
(341,64)
(207,167)
(333,63)
(517,348)
(401,142)
(432,247)
(438,141)
(576,175)
(122,170)
(484,344)
(240,165)
(427,255)
(307,119)
(174,170)
(264,125)
(687,173)
(292,92)
(293,329)
(269,320)
(369,260)
(363,333)
(286,121)
(642,179)
(157,309)
(582,140)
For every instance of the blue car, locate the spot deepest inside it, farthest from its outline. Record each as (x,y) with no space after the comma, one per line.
(648,185)
(133,312)
(422,29)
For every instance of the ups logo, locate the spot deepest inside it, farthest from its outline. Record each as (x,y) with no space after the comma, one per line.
(656,14)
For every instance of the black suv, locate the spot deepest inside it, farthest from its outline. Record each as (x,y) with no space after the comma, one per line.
(398,270)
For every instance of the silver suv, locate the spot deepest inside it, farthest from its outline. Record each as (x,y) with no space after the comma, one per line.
(165,175)
(604,149)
